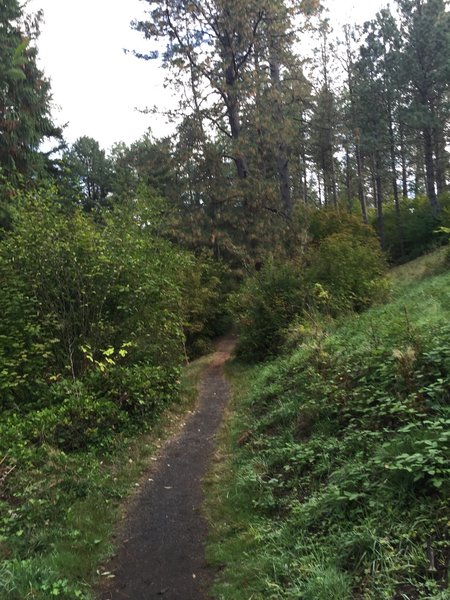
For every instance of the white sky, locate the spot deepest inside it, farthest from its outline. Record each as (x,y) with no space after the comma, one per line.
(96,87)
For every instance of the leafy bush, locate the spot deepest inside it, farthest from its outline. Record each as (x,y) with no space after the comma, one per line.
(80,420)
(26,346)
(83,285)
(416,232)
(140,390)
(265,306)
(205,315)
(341,271)
(350,272)
(327,222)
(75,420)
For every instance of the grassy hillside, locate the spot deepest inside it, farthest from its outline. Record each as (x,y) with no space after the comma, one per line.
(337,482)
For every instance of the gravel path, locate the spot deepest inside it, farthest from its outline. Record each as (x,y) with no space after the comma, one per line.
(162,550)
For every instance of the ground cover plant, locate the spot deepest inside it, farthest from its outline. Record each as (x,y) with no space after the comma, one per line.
(338,482)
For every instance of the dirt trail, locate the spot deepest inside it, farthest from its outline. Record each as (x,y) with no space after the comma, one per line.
(162,550)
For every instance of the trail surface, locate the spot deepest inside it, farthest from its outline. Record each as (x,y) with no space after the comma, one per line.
(161,554)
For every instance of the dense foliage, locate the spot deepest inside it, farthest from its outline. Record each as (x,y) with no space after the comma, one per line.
(341,269)
(420,230)
(274,202)
(87,288)
(98,315)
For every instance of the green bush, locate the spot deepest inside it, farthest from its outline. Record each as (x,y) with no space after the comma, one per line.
(85,422)
(139,390)
(75,420)
(70,283)
(341,271)
(327,222)
(205,315)
(26,345)
(350,272)
(416,232)
(264,307)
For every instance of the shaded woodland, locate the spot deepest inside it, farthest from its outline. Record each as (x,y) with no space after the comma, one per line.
(305,161)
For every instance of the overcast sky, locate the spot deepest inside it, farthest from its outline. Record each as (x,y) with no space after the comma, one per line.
(96,86)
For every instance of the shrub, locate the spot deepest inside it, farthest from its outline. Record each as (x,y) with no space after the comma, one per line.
(25,344)
(265,306)
(327,222)
(417,230)
(349,271)
(205,315)
(138,390)
(72,283)
(76,420)
(342,271)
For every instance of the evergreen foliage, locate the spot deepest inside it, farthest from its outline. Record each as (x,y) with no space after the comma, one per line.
(24,93)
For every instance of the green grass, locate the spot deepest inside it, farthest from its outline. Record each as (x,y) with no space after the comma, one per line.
(420,268)
(334,479)
(59,510)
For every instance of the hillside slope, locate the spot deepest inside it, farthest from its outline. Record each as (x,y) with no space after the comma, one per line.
(338,482)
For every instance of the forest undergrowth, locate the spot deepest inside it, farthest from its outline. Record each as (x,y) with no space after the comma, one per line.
(332,476)
(58,522)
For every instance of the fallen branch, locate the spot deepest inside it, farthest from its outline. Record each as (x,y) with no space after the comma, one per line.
(6,471)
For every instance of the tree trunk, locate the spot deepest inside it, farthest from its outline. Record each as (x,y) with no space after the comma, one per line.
(379,202)
(429,170)
(320,188)
(282,150)
(419,175)
(285,179)
(439,151)
(235,128)
(348,181)
(403,160)
(232,109)
(325,187)
(394,180)
(304,174)
(333,179)
(361,194)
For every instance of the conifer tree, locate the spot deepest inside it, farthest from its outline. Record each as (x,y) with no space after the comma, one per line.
(24,93)
(425,28)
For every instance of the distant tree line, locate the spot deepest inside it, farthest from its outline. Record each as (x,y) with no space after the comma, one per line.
(276,112)
(362,125)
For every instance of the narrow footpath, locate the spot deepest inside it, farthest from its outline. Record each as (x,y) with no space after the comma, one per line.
(162,548)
